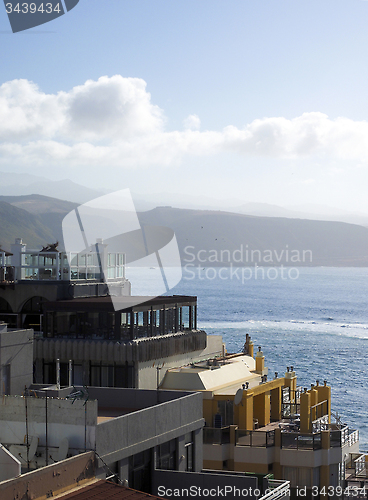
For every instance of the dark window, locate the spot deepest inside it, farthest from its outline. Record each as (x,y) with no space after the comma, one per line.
(226,410)
(166,455)
(140,471)
(49,373)
(111,375)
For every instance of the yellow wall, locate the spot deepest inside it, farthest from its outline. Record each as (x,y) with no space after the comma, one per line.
(246,467)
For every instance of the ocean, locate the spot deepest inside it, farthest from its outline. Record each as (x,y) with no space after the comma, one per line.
(315,319)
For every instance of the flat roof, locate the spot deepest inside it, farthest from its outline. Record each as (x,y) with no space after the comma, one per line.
(128,303)
(107,413)
(224,377)
(105,490)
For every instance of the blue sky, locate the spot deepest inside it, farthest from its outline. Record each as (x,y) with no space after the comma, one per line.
(258,100)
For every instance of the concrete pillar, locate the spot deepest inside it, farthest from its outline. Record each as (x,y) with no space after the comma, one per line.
(251,349)
(324,478)
(277,438)
(233,429)
(324,393)
(248,346)
(198,450)
(245,412)
(325,440)
(181,453)
(277,468)
(315,412)
(260,361)
(305,404)
(123,471)
(276,401)
(261,408)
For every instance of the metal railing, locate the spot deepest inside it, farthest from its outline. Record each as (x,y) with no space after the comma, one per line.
(353,437)
(262,439)
(277,489)
(212,435)
(340,437)
(297,441)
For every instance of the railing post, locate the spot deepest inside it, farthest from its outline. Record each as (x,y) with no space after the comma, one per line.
(233,431)
(278,438)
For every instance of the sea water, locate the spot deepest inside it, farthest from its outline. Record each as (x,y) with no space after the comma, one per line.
(315,320)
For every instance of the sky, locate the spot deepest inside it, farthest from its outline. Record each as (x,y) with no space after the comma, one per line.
(254,100)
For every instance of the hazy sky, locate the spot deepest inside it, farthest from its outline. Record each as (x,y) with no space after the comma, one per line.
(260,100)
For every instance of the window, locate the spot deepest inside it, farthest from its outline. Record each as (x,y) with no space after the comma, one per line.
(226,410)
(140,471)
(166,455)
(111,375)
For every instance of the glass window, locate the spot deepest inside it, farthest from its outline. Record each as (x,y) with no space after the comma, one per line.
(166,455)
(226,410)
(140,471)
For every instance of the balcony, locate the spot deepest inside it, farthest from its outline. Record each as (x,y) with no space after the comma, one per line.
(298,441)
(257,438)
(212,435)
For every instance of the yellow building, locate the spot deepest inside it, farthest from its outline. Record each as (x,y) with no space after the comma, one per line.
(262,424)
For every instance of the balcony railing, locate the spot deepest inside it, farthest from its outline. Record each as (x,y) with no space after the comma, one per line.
(340,437)
(277,490)
(289,439)
(260,439)
(212,435)
(297,441)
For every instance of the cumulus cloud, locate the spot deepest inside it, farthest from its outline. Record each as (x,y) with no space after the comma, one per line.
(112,122)
(192,122)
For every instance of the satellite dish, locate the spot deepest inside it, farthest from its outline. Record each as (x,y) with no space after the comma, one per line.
(63,449)
(238,397)
(33,445)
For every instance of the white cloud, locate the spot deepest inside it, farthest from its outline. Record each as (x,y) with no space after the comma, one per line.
(112,122)
(192,122)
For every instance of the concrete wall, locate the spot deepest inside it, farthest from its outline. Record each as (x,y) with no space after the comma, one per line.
(115,397)
(175,480)
(18,295)
(64,419)
(129,434)
(140,350)
(147,376)
(10,467)
(52,480)
(16,351)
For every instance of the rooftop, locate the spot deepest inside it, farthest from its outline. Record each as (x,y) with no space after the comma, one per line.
(219,376)
(127,302)
(105,490)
